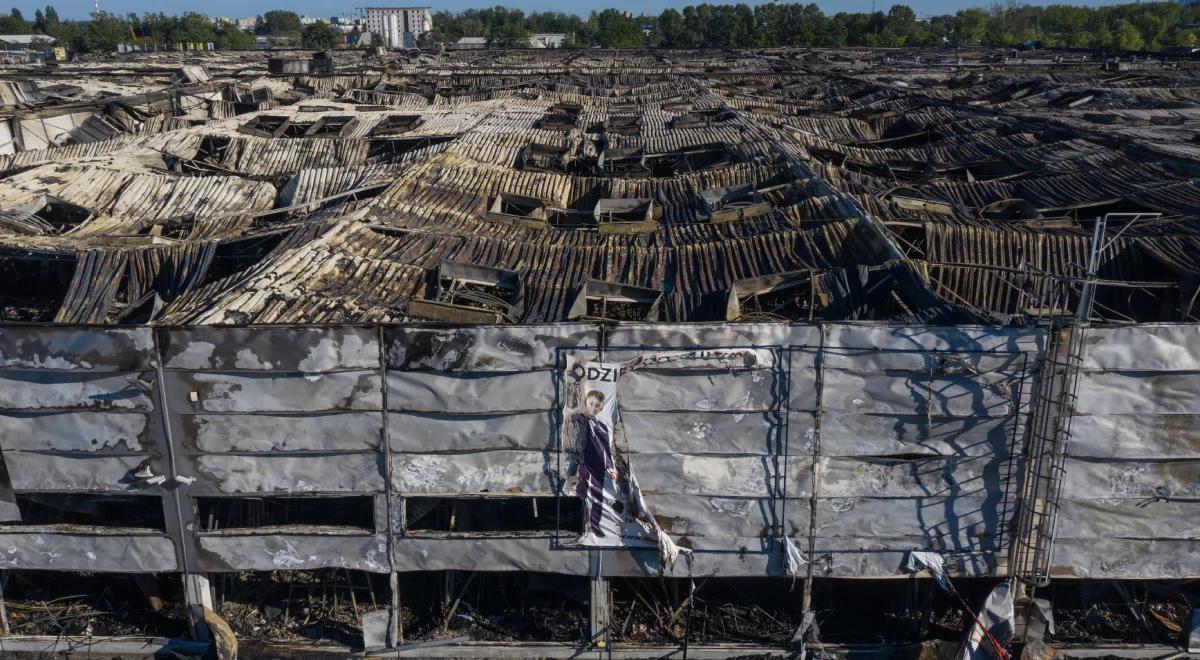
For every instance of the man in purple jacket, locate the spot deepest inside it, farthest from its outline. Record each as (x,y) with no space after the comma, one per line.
(597,460)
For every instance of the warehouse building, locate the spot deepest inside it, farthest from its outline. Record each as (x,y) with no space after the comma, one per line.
(546,352)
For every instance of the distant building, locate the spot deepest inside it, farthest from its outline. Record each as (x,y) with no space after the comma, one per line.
(25,40)
(20,47)
(399,26)
(245,23)
(345,24)
(547,40)
(470,43)
(273,41)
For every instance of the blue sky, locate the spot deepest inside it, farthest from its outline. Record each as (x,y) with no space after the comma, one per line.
(81,8)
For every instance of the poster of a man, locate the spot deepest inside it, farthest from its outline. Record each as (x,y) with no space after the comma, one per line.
(599,470)
(597,465)
(603,482)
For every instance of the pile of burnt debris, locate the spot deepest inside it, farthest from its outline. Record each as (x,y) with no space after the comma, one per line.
(93,605)
(619,186)
(327,607)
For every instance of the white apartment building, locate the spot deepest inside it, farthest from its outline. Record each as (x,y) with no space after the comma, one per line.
(399,26)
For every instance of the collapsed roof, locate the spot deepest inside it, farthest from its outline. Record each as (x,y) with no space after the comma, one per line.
(724,187)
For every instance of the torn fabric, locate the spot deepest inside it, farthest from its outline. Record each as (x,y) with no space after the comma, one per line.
(918,560)
(998,617)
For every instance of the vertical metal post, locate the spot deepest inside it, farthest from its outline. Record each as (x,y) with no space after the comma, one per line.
(395,632)
(196,589)
(599,609)
(819,386)
(1050,426)
(3,607)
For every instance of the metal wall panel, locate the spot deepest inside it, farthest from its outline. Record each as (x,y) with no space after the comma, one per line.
(1131,491)
(908,436)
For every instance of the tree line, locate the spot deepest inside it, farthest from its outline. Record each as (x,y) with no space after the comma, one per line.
(1129,27)
(103,31)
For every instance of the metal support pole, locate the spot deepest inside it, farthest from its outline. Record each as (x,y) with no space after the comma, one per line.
(196,589)
(600,610)
(395,523)
(3,608)
(819,382)
(599,602)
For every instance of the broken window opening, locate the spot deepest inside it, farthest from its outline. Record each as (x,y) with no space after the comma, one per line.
(33,286)
(538,157)
(732,203)
(74,510)
(49,215)
(1100,209)
(910,200)
(391,150)
(557,121)
(343,513)
(297,129)
(562,116)
(519,210)
(624,162)
(616,302)
(331,127)
(212,151)
(393,125)
(493,514)
(237,256)
(1120,611)
(1010,209)
(630,125)
(468,293)
(318,108)
(626,216)
(178,227)
(723,610)
(315,605)
(702,118)
(776,297)
(269,126)
(498,607)
(54,603)
(688,159)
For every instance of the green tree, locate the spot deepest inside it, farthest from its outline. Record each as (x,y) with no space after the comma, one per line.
(615,29)
(968,27)
(1126,36)
(278,22)
(1152,29)
(15,23)
(100,34)
(1177,36)
(46,22)
(668,32)
(320,36)
(901,25)
(376,40)
(228,36)
(508,36)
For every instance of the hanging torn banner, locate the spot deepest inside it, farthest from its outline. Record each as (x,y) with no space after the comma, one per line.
(599,471)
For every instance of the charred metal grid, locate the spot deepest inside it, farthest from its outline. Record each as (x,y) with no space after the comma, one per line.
(918,430)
